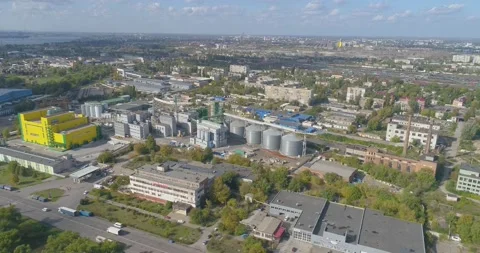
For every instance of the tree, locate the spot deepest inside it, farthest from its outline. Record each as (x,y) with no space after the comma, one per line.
(368,104)
(280,178)
(24,248)
(332,178)
(150,144)
(470,130)
(140,149)
(395,139)
(14,179)
(106,157)
(220,191)
(251,245)
(166,151)
(230,178)
(9,240)
(373,124)
(6,133)
(352,129)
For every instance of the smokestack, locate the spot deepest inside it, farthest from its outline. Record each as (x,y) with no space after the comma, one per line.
(429,138)
(407,137)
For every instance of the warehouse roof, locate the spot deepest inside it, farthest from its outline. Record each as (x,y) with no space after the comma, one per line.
(325,167)
(28,156)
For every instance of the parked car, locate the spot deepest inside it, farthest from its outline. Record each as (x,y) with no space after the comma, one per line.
(118,225)
(205,242)
(180,221)
(171,241)
(456,238)
(45,209)
(85,192)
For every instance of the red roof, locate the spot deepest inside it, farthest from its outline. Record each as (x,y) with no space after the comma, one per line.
(279,232)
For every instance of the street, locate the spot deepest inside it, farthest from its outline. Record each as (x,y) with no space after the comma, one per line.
(90,227)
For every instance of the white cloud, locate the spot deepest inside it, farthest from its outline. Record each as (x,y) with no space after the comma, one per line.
(396,16)
(334,12)
(472,18)
(339,1)
(378,5)
(313,7)
(153,7)
(378,18)
(445,9)
(272,8)
(224,10)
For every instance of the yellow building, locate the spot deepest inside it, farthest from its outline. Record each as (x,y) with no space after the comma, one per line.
(53,127)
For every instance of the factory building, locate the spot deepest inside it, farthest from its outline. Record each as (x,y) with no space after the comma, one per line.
(344,228)
(239,69)
(38,162)
(54,128)
(418,122)
(289,94)
(210,134)
(10,95)
(139,131)
(93,109)
(135,125)
(416,134)
(186,122)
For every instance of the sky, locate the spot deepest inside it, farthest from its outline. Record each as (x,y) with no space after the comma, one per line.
(391,18)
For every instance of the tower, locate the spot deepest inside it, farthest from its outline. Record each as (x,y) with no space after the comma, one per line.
(407,137)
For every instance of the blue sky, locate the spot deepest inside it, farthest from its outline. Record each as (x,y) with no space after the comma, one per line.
(419,18)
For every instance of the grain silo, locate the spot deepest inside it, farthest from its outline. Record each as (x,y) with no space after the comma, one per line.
(237,129)
(291,145)
(271,139)
(254,134)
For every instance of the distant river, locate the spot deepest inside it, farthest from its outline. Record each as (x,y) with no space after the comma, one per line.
(37,39)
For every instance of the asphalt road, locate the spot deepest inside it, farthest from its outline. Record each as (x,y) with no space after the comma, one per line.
(90,227)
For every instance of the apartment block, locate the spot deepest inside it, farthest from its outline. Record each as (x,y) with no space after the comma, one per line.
(354,93)
(289,94)
(416,134)
(463,58)
(418,122)
(469,179)
(239,69)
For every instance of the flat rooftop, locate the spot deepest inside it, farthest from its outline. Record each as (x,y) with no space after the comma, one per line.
(311,207)
(29,156)
(176,173)
(77,128)
(466,166)
(340,220)
(390,234)
(269,225)
(332,167)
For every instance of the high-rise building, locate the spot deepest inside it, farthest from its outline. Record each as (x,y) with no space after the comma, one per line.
(463,58)
(301,95)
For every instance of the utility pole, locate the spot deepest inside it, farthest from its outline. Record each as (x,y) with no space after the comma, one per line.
(407,137)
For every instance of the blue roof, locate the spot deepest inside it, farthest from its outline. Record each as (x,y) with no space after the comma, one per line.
(310,130)
(301,117)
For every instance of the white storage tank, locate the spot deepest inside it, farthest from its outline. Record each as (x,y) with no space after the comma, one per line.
(237,129)
(271,139)
(291,145)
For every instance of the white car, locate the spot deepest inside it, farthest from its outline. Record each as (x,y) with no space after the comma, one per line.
(118,225)
(455,238)
(45,209)
(85,192)
(180,221)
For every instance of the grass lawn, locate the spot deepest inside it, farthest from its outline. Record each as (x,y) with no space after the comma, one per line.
(166,229)
(5,178)
(225,245)
(52,194)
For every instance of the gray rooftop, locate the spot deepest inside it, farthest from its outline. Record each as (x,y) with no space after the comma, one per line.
(415,119)
(212,171)
(330,167)
(132,106)
(29,156)
(390,234)
(469,167)
(311,208)
(269,225)
(340,220)
(177,173)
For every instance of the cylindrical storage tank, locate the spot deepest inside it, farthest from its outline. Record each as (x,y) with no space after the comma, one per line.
(254,134)
(291,145)
(271,139)
(237,129)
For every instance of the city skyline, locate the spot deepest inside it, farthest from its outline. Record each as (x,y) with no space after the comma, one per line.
(455,19)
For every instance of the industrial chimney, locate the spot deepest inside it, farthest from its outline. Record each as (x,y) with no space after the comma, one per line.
(429,138)
(407,137)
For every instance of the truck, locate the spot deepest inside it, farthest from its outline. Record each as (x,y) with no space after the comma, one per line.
(98,186)
(67,211)
(85,213)
(42,199)
(114,230)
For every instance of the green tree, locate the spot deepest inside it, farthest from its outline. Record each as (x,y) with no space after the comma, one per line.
(280,178)
(140,149)
(395,139)
(220,191)
(14,179)
(9,240)
(106,157)
(252,245)
(6,133)
(150,144)
(24,248)
(368,104)
(332,178)
(352,129)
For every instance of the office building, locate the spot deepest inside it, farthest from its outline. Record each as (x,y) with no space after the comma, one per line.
(418,122)
(416,134)
(53,127)
(354,93)
(93,109)
(289,94)
(121,129)
(162,183)
(38,162)
(239,69)
(346,228)
(139,131)
(378,157)
(463,58)
(210,134)
(469,179)
(404,103)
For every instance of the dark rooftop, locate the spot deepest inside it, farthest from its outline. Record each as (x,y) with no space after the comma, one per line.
(341,219)
(390,234)
(466,166)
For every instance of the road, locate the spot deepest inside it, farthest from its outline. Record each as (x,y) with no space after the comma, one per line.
(137,241)
(453,150)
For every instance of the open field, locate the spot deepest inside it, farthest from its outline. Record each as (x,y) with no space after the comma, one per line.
(52,194)
(5,178)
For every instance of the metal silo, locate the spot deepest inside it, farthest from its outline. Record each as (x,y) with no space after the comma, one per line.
(291,145)
(254,134)
(237,129)
(271,139)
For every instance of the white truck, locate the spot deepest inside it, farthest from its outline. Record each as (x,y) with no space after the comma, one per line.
(114,230)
